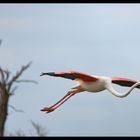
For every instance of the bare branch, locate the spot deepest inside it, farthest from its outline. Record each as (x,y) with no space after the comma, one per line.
(18,74)
(16,110)
(2,79)
(7,73)
(39,129)
(18,133)
(13,90)
(2,76)
(11,93)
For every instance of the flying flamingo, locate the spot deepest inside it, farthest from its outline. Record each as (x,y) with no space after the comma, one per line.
(90,83)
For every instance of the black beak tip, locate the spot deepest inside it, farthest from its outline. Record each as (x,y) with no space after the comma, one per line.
(49,73)
(42,74)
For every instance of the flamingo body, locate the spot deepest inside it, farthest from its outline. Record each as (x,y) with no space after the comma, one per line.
(91,83)
(94,86)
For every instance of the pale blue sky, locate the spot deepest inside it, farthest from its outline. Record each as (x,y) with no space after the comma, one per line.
(99,39)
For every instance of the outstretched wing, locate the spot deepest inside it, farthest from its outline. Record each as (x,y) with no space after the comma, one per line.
(72,75)
(124,82)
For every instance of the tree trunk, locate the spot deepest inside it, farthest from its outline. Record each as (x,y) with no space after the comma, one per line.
(6,90)
(4,96)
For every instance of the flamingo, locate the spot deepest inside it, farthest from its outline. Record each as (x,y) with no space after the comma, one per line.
(90,83)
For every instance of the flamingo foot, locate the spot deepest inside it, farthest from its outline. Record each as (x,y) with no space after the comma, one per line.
(47,109)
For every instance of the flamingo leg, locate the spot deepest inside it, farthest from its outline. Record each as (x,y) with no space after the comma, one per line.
(61,101)
(52,109)
(45,108)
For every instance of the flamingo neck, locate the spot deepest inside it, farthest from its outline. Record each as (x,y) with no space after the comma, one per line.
(121,95)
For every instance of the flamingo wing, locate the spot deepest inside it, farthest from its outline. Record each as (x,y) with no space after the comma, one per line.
(124,82)
(72,75)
